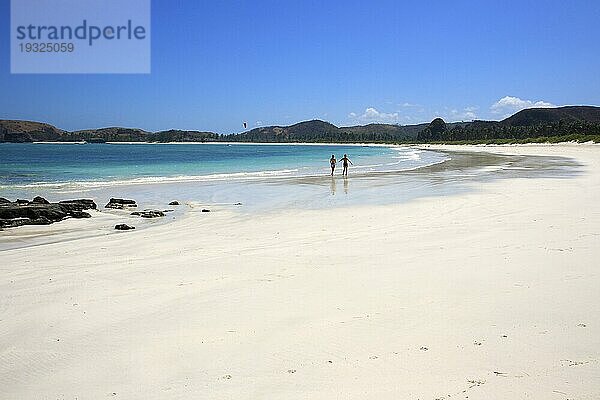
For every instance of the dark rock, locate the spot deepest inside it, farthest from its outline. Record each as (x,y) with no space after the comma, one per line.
(79,214)
(120,203)
(4,201)
(40,221)
(21,201)
(237,204)
(124,227)
(205,210)
(168,211)
(174,203)
(32,211)
(17,214)
(13,223)
(40,200)
(80,204)
(149,213)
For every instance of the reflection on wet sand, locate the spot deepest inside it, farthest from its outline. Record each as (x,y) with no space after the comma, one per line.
(464,166)
(333,185)
(458,174)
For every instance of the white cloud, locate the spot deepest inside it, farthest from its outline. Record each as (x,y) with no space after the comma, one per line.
(456,114)
(409,113)
(372,115)
(509,105)
(466,114)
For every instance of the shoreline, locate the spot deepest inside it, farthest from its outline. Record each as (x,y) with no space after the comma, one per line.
(362,195)
(365,144)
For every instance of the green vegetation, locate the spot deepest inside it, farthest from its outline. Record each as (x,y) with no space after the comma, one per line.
(182,136)
(541,139)
(536,125)
(487,131)
(316,131)
(544,125)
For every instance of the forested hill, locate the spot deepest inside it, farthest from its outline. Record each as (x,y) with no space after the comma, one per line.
(308,131)
(564,122)
(529,123)
(536,116)
(28,131)
(321,131)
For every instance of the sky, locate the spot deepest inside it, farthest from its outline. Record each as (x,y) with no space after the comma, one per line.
(215,64)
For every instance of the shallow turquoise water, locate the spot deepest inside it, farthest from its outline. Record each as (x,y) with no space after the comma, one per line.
(72,168)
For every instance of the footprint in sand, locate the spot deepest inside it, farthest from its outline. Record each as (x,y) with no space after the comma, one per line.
(373,358)
(226,376)
(423,348)
(476,343)
(570,363)
(291,371)
(475,382)
(582,325)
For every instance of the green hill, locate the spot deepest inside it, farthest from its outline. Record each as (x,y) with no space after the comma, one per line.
(112,134)
(580,123)
(321,131)
(535,116)
(28,131)
(563,122)
(174,135)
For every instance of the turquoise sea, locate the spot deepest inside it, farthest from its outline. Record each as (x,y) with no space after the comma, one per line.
(261,176)
(156,173)
(76,165)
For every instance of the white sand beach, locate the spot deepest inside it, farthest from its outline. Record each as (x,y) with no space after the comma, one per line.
(490,294)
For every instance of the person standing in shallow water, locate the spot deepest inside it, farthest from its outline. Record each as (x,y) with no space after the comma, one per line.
(345,160)
(332,161)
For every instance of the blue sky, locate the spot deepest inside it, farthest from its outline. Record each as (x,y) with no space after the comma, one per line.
(216,64)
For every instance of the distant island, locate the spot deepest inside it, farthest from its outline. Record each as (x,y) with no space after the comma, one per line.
(570,123)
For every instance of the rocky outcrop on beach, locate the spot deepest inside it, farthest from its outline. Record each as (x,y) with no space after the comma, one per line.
(39,200)
(120,204)
(149,213)
(40,211)
(83,204)
(124,227)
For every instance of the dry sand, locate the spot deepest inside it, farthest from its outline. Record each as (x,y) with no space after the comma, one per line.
(492,294)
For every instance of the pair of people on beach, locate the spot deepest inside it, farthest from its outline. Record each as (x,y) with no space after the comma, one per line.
(345,160)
